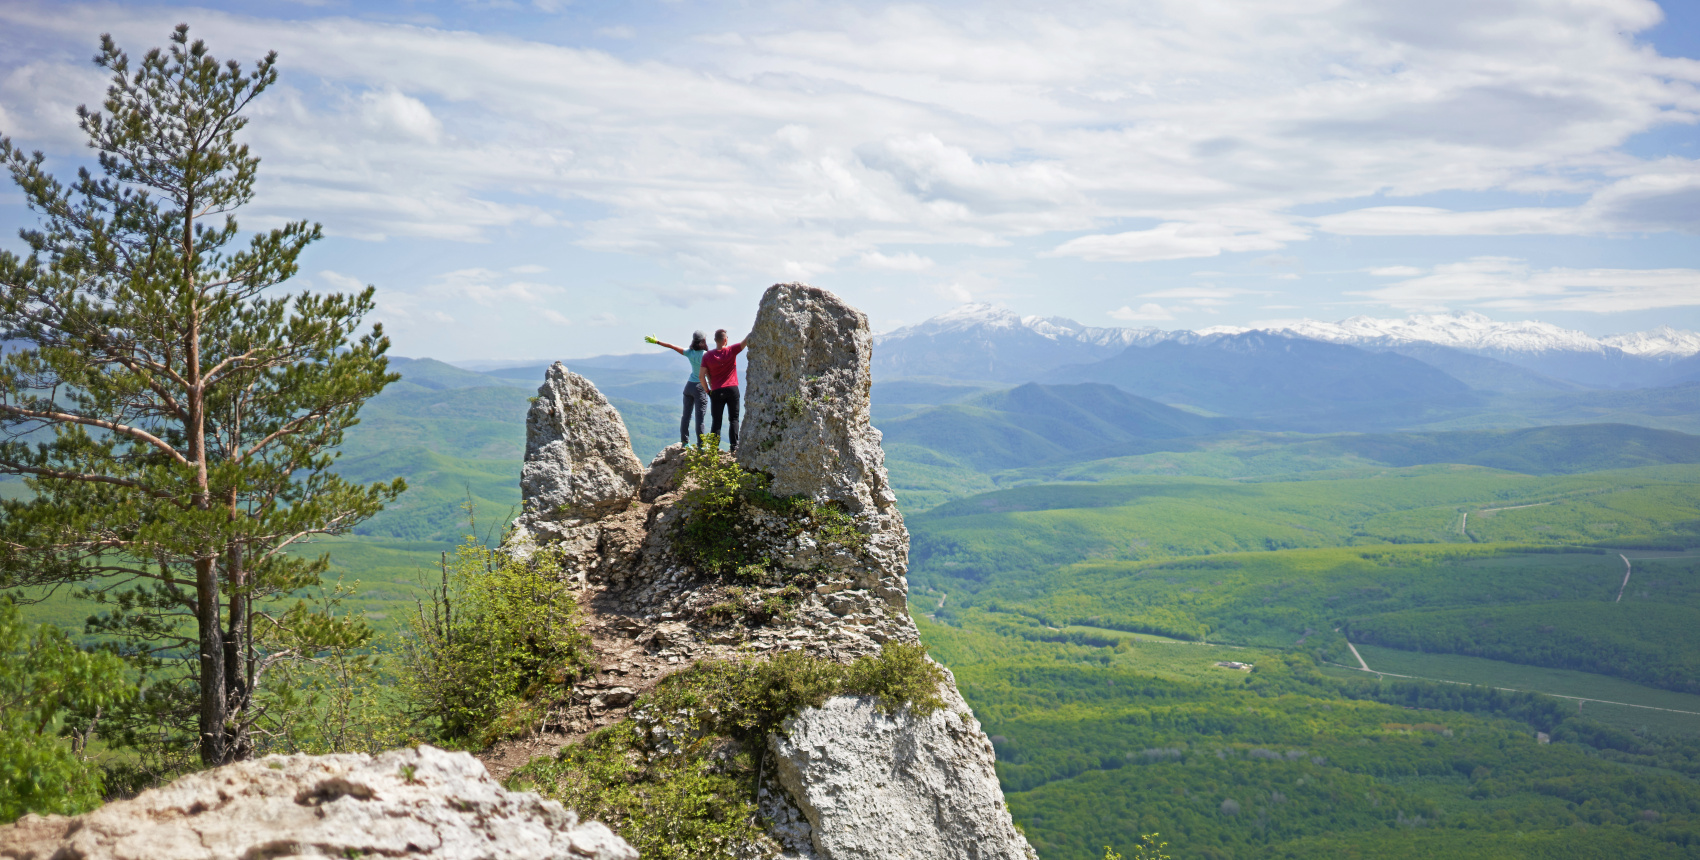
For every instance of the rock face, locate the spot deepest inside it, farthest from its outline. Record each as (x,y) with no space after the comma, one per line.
(421,802)
(807,421)
(876,785)
(806,401)
(579,465)
(894,786)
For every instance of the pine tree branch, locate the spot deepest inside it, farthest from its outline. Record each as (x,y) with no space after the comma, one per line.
(112,426)
(56,474)
(217,370)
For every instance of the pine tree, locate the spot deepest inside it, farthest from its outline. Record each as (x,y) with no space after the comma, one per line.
(174,415)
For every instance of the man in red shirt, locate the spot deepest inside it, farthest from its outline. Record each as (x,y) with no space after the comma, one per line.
(721,366)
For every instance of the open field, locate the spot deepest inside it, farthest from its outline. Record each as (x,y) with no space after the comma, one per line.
(1099,743)
(1677,712)
(1150,517)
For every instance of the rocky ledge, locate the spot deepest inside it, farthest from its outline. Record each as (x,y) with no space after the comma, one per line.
(420,802)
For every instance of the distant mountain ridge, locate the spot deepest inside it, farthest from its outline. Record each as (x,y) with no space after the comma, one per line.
(1295,382)
(984,342)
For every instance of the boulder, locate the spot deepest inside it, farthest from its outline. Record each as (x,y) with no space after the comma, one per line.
(579,466)
(876,785)
(420,802)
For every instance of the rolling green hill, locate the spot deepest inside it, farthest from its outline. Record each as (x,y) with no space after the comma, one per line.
(1147,517)
(936,454)
(1302,384)
(1035,423)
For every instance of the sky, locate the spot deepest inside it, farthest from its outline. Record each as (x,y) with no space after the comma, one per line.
(547,179)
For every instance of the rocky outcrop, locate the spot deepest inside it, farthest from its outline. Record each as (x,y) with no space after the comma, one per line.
(806,401)
(926,784)
(579,466)
(807,422)
(422,802)
(896,785)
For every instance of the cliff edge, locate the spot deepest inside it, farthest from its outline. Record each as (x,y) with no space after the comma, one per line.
(816,564)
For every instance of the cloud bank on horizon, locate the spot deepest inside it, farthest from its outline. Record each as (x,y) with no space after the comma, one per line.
(540,179)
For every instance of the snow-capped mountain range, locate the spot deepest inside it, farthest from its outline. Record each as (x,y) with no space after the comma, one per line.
(1477,333)
(988,342)
(980,318)
(1466,331)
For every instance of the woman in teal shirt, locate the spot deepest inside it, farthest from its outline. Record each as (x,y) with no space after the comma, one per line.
(696,388)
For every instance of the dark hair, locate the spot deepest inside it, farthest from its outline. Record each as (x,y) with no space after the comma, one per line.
(720,334)
(698,341)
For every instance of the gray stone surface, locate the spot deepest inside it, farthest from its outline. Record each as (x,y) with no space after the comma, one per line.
(854,783)
(806,400)
(421,802)
(806,422)
(579,466)
(896,786)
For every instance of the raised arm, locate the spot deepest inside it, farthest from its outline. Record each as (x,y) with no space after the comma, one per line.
(676,349)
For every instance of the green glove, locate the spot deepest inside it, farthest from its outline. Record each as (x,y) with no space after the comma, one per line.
(649,338)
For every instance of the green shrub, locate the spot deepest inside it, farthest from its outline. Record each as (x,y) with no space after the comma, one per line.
(498,643)
(901,676)
(719,533)
(681,804)
(677,778)
(713,534)
(50,689)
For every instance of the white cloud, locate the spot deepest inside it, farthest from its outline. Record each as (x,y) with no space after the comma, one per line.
(956,291)
(829,133)
(1656,197)
(556,317)
(1508,284)
(619,32)
(687,295)
(391,112)
(1175,241)
(904,262)
(342,282)
(1429,221)
(1148,312)
(491,289)
(1204,291)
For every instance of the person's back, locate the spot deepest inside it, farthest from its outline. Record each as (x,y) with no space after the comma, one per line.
(720,366)
(695,394)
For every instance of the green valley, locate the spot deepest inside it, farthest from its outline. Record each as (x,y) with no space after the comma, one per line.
(1085,561)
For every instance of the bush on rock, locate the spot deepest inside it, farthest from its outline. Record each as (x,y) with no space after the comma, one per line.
(500,640)
(678,779)
(733,523)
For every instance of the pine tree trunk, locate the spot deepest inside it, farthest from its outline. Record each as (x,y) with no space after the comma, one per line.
(214,704)
(238,661)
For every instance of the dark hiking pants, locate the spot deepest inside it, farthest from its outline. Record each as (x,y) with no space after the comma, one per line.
(726,399)
(696,400)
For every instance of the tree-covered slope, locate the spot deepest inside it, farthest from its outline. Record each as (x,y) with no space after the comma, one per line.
(1301,384)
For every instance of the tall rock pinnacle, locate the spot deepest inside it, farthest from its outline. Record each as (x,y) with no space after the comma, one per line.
(845,780)
(806,401)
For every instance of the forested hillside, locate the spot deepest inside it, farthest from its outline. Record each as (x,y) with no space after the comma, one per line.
(1084,557)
